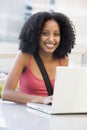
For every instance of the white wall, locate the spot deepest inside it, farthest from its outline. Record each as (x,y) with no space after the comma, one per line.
(11,19)
(6,48)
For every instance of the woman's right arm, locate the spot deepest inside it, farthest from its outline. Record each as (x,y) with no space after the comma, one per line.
(9,92)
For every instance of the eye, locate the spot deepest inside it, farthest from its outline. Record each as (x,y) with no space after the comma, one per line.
(45,33)
(56,34)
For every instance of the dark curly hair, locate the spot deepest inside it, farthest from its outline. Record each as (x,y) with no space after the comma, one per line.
(31,31)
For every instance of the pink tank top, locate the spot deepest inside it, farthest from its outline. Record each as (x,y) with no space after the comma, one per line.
(30,84)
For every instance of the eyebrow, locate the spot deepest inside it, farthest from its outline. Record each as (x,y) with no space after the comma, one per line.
(48,30)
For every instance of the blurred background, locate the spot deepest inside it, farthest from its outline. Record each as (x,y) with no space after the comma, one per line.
(13,14)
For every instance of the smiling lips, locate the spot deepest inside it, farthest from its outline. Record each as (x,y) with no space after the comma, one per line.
(49,45)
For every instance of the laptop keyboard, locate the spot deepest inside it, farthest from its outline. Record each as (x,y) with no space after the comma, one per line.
(41,107)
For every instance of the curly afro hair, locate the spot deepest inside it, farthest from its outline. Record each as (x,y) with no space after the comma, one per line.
(31,31)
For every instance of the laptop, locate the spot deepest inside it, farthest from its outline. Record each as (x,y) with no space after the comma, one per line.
(70,92)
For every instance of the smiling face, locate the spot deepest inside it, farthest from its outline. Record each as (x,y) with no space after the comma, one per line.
(50,37)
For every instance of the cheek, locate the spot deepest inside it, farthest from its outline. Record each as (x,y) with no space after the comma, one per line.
(42,39)
(41,43)
(58,44)
(58,40)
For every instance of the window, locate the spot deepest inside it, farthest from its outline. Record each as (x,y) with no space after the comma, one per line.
(52,2)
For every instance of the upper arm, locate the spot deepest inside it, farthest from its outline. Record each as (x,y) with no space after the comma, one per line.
(19,63)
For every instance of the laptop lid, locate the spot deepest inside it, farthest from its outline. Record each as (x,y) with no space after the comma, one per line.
(70,91)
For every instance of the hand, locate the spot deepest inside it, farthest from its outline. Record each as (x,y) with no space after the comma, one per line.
(48,100)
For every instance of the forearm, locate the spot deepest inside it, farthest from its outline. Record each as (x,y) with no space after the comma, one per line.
(14,96)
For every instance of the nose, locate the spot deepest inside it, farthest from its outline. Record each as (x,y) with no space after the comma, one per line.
(51,38)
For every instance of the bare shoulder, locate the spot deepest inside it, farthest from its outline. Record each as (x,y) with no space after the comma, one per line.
(65,61)
(22,58)
(21,54)
(20,62)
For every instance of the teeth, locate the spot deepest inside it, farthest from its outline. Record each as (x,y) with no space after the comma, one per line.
(50,45)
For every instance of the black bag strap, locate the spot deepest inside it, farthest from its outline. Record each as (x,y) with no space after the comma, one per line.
(44,74)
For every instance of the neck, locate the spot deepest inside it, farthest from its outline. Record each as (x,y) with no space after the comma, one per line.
(46,57)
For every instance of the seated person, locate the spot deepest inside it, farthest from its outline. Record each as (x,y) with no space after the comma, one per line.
(52,37)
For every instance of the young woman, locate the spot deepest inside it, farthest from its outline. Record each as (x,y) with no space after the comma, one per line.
(51,36)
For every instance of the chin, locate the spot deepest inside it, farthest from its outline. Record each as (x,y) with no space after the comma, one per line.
(50,51)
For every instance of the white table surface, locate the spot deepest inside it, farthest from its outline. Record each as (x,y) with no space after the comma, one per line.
(18,117)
